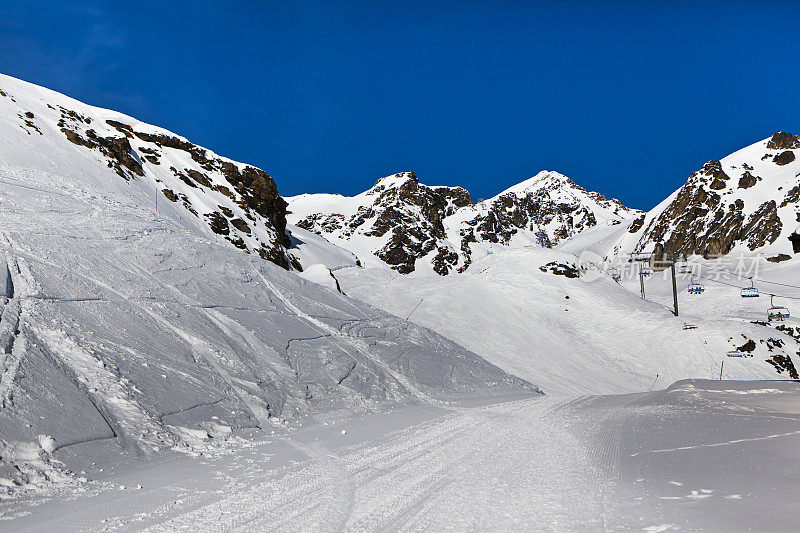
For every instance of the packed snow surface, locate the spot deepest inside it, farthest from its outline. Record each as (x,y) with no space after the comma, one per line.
(697,456)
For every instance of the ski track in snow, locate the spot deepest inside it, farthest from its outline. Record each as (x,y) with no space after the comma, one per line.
(475,468)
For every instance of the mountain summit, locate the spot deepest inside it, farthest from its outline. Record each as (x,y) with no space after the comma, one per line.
(747,200)
(412,226)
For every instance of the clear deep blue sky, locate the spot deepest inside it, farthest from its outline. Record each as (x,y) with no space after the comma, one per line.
(627,98)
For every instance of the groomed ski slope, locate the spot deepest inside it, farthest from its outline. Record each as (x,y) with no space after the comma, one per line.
(699,456)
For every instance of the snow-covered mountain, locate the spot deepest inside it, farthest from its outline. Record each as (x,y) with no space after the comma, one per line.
(748,201)
(412,226)
(129,329)
(546,209)
(238,203)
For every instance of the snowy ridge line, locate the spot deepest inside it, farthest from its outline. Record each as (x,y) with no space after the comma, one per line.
(208,195)
(404,225)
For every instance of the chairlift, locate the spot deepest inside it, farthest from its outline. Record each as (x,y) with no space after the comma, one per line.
(695,287)
(735,353)
(685,268)
(776,312)
(689,326)
(751,291)
(646,270)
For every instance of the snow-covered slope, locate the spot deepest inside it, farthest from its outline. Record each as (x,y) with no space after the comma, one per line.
(534,313)
(414,227)
(208,194)
(749,200)
(133,328)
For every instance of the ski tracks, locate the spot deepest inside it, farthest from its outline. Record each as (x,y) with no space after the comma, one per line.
(511,465)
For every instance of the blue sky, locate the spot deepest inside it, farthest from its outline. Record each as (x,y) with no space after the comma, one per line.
(627,98)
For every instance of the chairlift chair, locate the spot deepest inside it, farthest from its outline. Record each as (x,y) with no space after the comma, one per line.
(776,312)
(689,326)
(646,270)
(751,291)
(695,287)
(735,353)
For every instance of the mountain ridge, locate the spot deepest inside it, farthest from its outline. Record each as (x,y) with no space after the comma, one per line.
(443,226)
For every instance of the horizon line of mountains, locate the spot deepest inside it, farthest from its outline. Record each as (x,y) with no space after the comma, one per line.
(748,199)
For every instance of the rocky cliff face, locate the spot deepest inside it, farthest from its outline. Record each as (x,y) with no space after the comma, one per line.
(406,224)
(45,130)
(748,199)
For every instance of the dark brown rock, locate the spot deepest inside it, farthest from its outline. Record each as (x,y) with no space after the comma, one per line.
(779,258)
(747,180)
(794,238)
(784,158)
(637,224)
(763,226)
(170,194)
(218,223)
(241,225)
(782,140)
(561,269)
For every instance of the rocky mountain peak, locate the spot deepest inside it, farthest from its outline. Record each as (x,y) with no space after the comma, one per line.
(782,140)
(748,199)
(407,180)
(406,224)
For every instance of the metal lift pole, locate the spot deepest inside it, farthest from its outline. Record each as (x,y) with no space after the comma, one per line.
(641,280)
(674,288)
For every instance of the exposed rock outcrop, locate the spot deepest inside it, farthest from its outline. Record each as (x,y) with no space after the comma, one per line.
(402,216)
(709,217)
(782,140)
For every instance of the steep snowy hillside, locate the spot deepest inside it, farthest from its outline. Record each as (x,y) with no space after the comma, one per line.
(748,201)
(211,195)
(414,227)
(534,313)
(131,330)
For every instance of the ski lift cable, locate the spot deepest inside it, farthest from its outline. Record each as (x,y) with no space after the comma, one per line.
(702,345)
(777,283)
(740,287)
(760,280)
